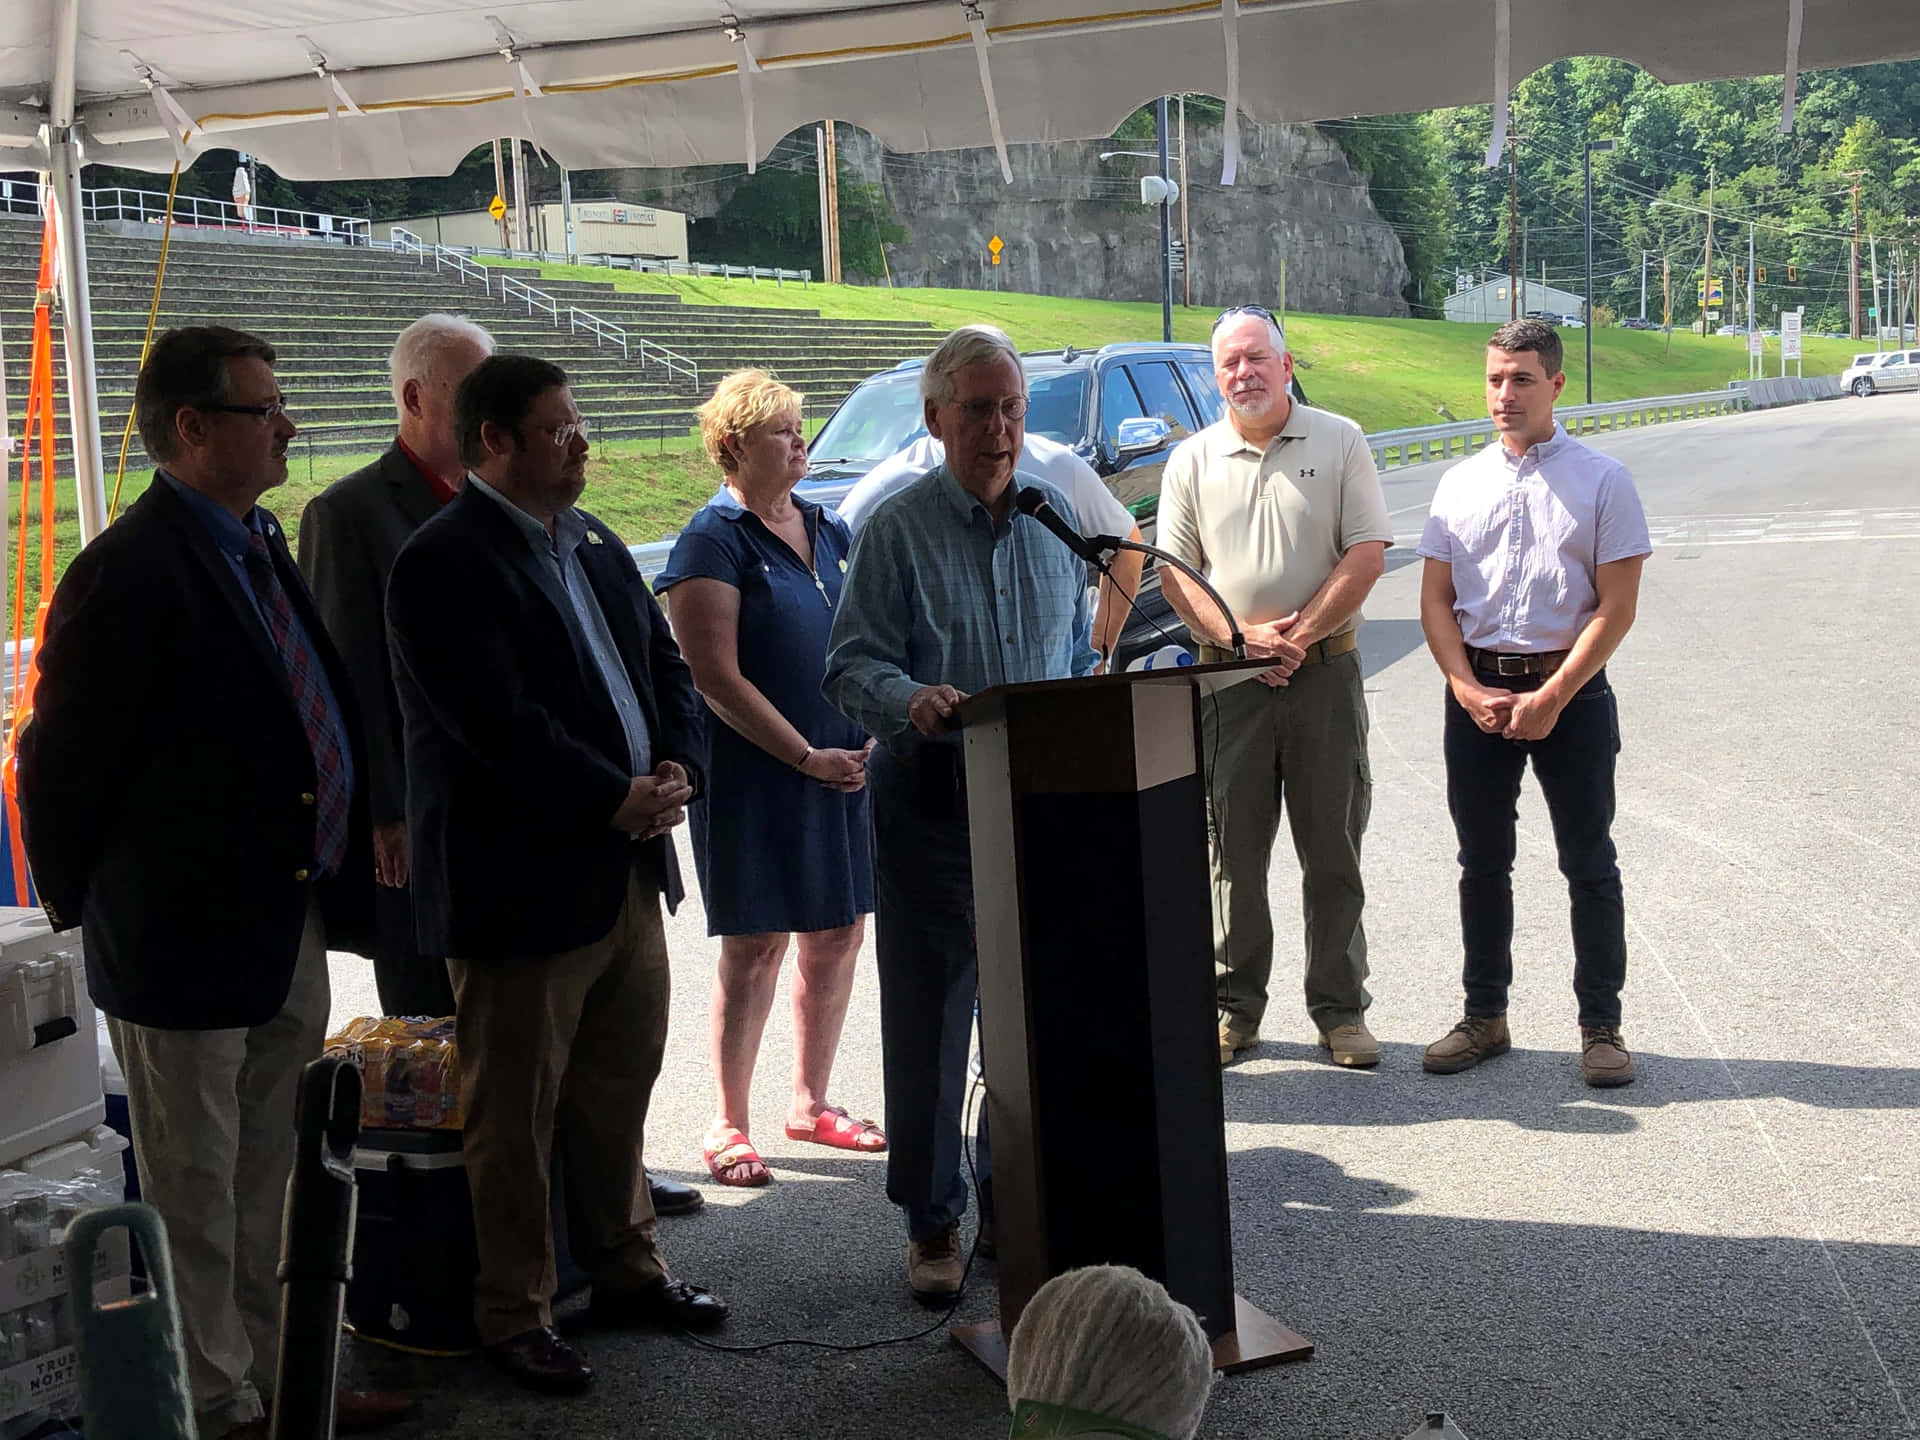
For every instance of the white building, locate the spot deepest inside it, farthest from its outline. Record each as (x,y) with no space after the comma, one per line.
(600,227)
(1488,303)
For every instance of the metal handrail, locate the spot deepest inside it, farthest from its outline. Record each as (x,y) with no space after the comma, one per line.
(652,353)
(534,299)
(603,330)
(1394,448)
(465,268)
(117,202)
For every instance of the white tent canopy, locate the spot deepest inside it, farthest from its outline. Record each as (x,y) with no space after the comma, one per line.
(356,88)
(337,88)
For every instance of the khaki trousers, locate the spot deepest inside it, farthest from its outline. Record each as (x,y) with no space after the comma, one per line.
(575,1037)
(1302,746)
(213,1117)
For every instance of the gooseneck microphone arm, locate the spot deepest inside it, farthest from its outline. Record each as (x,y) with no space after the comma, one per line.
(1094,549)
(1107,544)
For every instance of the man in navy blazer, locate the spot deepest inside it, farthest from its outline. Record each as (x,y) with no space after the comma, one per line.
(192,794)
(553,739)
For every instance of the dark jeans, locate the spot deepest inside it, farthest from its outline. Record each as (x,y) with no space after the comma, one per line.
(1574,766)
(923,896)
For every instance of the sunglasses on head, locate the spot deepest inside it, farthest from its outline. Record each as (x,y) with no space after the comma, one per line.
(1260,310)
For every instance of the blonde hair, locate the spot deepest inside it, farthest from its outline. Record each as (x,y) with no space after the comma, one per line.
(740,401)
(1111,1341)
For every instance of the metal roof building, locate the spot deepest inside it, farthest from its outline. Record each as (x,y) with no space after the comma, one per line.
(1487,303)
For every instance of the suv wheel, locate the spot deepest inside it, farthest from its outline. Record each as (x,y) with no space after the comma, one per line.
(1863,387)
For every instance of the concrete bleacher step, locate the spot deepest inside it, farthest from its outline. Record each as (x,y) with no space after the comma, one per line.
(331,312)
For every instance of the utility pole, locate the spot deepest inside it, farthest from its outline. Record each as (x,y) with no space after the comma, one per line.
(1186,239)
(1513,226)
(500,189)
(1853,265)
(1643,284)
(1166,228)
(826,234)
(523,237)
(1879,318)
(566,213)
(1526,257)
(1666,298)
(1706,302)
(1589,317)
(833,204)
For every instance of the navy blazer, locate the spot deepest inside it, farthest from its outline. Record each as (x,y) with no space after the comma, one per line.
(515,757)
(166,779)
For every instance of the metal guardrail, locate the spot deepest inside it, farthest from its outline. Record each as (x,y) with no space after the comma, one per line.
(406,242)
(1395,448)
(22,197)
(645,264)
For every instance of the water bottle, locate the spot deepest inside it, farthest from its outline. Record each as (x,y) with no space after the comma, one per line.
(1167,657)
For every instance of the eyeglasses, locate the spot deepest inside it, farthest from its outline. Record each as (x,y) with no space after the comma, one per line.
(978,412)
(563,434)
(271,411)
(1260,310)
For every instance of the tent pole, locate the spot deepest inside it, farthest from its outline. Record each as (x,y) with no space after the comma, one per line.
(76,307)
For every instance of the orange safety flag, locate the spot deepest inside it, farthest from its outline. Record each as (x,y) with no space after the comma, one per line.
(39,408)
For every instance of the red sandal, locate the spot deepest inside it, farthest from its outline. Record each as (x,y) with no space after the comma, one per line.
(837,1130)
(727,1153)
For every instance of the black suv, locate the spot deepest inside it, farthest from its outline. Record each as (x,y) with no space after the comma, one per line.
(1121,408)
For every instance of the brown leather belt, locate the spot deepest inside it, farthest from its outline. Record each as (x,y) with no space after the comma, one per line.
(1499,662)
(1317,652)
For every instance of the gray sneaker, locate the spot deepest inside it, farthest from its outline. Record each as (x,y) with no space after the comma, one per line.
(1475,1038)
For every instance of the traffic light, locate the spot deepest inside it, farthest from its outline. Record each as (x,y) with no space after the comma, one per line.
(1793,274)
(1739,276)
(1760,274)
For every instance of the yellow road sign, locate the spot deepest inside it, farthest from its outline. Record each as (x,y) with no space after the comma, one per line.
(996,245)
(498,208)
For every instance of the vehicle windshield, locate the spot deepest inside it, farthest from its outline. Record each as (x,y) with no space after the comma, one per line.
(885,416)
(879,418)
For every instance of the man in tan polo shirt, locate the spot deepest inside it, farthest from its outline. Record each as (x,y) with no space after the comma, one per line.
(1279,505)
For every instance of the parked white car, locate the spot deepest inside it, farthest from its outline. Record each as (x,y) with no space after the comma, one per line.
(1873,372)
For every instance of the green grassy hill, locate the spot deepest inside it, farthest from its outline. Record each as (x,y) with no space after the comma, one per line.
(1386,374)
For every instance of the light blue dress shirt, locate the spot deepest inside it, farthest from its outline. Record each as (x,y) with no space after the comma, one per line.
(939,593)
(589,622)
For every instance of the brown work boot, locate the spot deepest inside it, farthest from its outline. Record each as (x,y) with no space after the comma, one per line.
(1351,1045)
(1233,1041)
(934,1268)
(1475,1038)
(1603,1057)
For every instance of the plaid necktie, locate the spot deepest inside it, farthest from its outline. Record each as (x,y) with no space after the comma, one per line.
(303,677)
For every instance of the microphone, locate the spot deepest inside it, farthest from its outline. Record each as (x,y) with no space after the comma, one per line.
(1029,501)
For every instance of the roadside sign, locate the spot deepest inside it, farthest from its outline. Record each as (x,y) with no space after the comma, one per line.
(498,208)
(996,245)
(1753,342)
(1790,334)
(1716,298)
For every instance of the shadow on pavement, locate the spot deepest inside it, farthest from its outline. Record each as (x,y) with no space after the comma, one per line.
(1536,1089)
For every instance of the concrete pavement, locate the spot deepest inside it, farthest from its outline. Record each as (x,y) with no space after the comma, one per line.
(1728,1248)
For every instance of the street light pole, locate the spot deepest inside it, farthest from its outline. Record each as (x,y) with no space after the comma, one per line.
(1166,230)
(1592,145)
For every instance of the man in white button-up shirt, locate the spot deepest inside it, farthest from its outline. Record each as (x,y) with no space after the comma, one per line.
(1533,553)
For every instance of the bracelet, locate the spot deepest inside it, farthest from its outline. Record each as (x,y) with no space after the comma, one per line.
(801,763)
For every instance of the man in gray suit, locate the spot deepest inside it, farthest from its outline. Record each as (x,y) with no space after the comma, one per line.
(348,537)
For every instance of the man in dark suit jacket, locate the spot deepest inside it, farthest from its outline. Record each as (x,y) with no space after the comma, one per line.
(190,788)
(349,536)
(553,739)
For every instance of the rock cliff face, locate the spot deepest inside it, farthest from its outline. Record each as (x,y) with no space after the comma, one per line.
(1072,224)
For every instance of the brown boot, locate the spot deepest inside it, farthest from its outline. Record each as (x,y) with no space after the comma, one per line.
(1604,1059)
(935,1270)
(1233,1041)
(1475,1038)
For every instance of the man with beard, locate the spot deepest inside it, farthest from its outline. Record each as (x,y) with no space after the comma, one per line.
(553,739)
(1280,506)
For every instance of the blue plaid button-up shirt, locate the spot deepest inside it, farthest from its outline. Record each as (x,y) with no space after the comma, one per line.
(938,593)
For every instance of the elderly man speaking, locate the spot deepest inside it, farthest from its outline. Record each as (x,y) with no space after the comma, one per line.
(951,591)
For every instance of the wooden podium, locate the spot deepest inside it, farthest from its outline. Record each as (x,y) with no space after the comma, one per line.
(1088,813)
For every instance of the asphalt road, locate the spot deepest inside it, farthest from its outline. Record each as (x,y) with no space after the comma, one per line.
(1729,1248)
